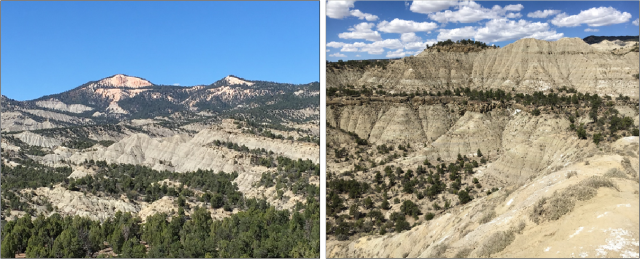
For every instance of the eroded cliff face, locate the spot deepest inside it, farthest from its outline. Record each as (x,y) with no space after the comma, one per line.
(527,65)
(533,157)
(523,144)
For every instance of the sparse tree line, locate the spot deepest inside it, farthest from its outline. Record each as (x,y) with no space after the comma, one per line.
(359,64)
(426,181)
(601,110)
(292,175)
(449,42)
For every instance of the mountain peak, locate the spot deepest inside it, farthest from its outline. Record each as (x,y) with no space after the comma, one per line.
(234,80)
(121,80)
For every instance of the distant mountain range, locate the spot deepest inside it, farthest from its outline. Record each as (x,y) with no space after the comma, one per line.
(127,97)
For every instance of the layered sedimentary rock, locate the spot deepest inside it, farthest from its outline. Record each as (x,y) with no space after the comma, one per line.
(527,65)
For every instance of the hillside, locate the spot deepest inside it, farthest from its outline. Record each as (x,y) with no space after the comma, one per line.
(526,66)
(124,167)
(509,152)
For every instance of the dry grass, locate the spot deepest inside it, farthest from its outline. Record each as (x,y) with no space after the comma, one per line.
(439,250)
(551,208)
(496,242)
(599,181)
(571,174)
(488,215)
(519,227)
(464,252)
(561,203)
(615,173)
(579,192)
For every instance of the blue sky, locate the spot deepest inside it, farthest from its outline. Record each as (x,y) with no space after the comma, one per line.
(50,47)
(392,29)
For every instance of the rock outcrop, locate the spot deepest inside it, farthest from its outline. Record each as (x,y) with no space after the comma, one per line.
(56,104)
(526,65)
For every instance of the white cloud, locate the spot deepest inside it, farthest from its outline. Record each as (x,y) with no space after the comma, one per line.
(396,54)
(361,31)
(514,7)
(427,7)
(363,16)
(513,15)
(338,55)
(467,32)
(594,17)
(334,44)
(404,26)
(470,11)
(177,84)
(635,22)
(328,50)
(543,14)
(418,45)
(357,56)
(503,29)
(409,37)
(354,47)
(339,9)
(591,29)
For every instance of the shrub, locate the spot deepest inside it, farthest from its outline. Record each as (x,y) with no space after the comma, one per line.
(551,208)
(582,133)
(410,208)
(615,173)
(597,138)
(438,250)
(535,112)
(599,181)
(464,252)
(488,215)
(495,243)
(429,216)
(402,224)
(385,205)
(571,174)
(519,227)
(464,197)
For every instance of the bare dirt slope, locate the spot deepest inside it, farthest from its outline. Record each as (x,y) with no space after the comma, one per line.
(603,226)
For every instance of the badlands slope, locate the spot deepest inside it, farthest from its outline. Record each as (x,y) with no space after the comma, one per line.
(527,65)
(604,226)
(530,157)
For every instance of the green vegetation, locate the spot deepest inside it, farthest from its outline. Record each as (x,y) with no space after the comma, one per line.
(535,112)
(410,208)
(449,42)
(597,138)
(358,64)
(259,231)
(429,216)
